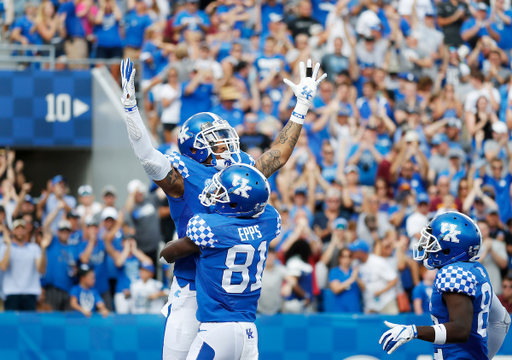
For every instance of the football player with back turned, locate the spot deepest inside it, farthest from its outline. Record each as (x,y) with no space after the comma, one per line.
(232,242)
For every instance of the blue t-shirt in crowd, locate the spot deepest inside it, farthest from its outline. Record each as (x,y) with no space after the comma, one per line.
(365,111)
(265,63)
(276,95)
(99,263)
(73,23)
(76,237)
(316,139)
(117,245)
(367,164)
(62,259)
(191,20)
(504,30)
(469,23)
(456,178)
(107,34)
(266,10)
(134,27)
(416,183)
(156,64)
(198,101)
(321,9)
(127,273)
(348,300)
(502,194)
(25,25)
(88,299)
(234,116)
(423,292)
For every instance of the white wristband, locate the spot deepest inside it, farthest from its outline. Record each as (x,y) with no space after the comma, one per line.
(440,331)
(299,113)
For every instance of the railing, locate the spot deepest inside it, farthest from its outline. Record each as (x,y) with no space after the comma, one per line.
(49,59)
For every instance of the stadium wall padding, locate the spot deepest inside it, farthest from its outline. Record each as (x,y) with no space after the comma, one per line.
(70,336)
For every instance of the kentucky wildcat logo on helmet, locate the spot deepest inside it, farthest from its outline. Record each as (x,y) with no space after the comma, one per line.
(239,190)
(448,238)
(206,134)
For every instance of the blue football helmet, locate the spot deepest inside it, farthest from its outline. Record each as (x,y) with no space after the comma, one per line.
(239,190)
(448,238)
(206,134)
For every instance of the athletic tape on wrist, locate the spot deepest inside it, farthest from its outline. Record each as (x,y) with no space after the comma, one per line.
(440,331)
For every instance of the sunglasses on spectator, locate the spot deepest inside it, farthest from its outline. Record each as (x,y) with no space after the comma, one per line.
(496,167)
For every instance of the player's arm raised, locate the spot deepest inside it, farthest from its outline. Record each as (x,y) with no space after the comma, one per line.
(154,163)
(177,249)
(457,330)
(282,149)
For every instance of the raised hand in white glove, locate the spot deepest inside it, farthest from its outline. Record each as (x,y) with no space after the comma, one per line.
(305,90)
(128,83)
(397,336)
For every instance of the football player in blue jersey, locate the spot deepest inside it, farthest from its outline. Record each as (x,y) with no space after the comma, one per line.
(207,144)
(462,297)
(231,242)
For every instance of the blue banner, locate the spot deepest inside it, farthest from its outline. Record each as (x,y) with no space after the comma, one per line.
(58,336)
(45,109)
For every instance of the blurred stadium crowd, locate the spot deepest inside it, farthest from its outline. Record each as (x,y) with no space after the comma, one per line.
(413,120)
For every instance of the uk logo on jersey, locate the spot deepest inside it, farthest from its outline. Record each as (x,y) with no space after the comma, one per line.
(183,135)
(243,187)
(452,232)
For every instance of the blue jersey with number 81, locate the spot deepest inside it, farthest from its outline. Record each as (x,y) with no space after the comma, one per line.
(471,279)
(229,269)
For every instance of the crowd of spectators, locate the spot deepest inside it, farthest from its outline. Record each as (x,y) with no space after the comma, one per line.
(413,120)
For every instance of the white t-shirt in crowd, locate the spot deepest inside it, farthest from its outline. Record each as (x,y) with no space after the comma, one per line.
(335,23)
(422,7)
(22,277)
(171,114)
(376,273)
(473,96)
(140,291)
(490,265)
(270,301)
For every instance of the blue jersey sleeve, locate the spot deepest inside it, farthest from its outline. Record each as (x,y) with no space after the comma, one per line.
(200,233)
(456,279)
(75,291)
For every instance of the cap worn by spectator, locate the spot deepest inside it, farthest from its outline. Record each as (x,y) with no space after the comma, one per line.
(92,222)
(411,136)
(359,245)
(482,6)
(300,191)
(137,186)
(492,211)
(351,168)
(453,153)
(438,139)
(148,267)
(409,77)
(28,199)
(109,212)
(64,225)
(339,224)
(72,215)
(83,270)
(57,179)
(423,198)
(454,122)
(228,93)
(273,17)
(499,127)
(85,190)
(344,111)
(109,190)
(18,222)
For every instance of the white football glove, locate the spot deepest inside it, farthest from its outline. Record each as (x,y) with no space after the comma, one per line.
(128,83)
(305,90)
(397,336)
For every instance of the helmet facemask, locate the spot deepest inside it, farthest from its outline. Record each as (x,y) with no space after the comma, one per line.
(215,192)
(217,136)
(427,245)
